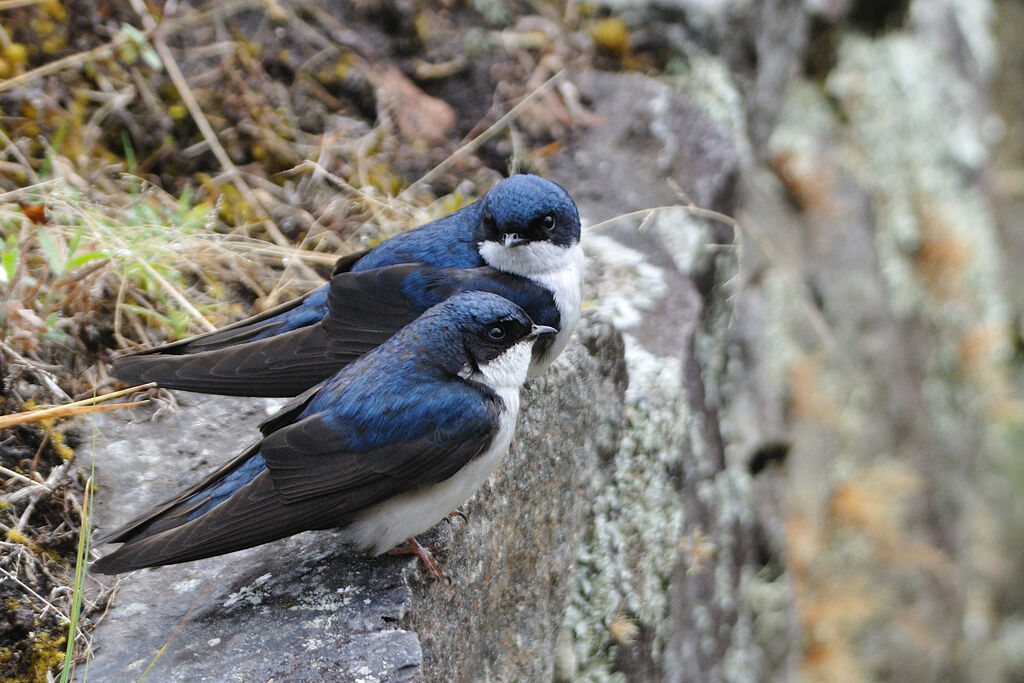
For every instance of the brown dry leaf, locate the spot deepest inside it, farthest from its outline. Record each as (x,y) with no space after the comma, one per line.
(418,115)
(34,212)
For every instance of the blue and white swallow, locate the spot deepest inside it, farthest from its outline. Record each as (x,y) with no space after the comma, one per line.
(383,450)
(521,241)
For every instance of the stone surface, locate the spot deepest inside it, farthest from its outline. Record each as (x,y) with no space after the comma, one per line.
(666,578)
(873,261)
(298,609)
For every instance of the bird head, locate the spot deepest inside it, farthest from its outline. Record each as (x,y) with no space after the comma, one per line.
(496,337)
(527,223)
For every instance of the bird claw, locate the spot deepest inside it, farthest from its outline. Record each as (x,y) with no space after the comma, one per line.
(413,547)
(457,513)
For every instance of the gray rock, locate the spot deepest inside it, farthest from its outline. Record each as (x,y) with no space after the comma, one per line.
(671,583)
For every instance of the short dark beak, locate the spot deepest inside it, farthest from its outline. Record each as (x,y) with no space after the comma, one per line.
(539,330)
(514,240)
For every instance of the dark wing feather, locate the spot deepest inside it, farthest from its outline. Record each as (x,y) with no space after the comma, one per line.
(263,325)
(369,306)
(345,263)
(365,308)
(283,365)
(172,512)
(235,333)
(308,459)
(311,483)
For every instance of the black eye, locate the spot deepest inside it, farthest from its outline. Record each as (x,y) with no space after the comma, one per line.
(548,222)
(496,333)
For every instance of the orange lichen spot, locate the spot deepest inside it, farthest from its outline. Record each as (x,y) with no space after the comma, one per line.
(808,397)
(871,501)
(803,543)
(623,629)
(979,350)
(944,256)
(810,182)
(699,548)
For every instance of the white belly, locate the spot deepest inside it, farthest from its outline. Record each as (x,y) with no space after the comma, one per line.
(387,524)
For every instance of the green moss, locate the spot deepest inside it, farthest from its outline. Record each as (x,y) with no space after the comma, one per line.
(33,659)
(46,654)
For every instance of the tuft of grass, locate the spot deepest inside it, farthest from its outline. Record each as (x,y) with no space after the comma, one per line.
(81,568)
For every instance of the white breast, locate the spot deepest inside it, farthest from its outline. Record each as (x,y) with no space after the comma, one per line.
(558,269)
(566,285)
(387,524)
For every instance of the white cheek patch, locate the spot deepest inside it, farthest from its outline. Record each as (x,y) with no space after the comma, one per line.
(507,371)
(532,258)
(566,286)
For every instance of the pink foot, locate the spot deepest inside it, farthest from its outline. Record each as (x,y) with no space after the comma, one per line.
(413,547)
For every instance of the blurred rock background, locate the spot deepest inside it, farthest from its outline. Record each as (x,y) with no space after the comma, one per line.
(809,463)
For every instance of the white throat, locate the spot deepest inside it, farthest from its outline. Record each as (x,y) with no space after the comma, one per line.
(557,269)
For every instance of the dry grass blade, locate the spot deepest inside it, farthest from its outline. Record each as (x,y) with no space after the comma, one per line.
(82,407)
(645,214)
(173,292)
(60,411)
(20,477)
(14,4)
